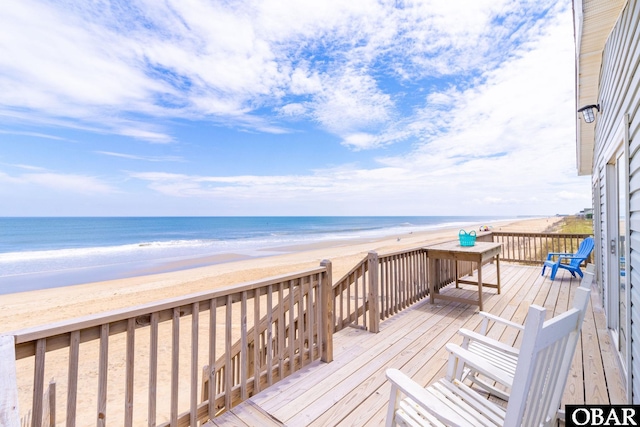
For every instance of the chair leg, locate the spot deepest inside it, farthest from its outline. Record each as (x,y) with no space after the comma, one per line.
(554,270)
(544,267)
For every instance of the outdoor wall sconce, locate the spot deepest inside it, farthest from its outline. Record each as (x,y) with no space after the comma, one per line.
(587,112)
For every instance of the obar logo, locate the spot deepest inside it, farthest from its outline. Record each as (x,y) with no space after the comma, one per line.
(602,415)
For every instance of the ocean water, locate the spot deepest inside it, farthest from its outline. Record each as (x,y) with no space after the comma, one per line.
(38,253)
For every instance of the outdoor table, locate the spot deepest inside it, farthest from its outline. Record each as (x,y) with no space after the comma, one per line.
(480,253)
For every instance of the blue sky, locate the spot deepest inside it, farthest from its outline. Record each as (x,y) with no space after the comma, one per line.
(288,107)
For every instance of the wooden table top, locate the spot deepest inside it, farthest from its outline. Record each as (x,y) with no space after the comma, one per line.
(483,250)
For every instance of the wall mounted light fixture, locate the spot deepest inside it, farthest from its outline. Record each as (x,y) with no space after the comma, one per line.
(587,112)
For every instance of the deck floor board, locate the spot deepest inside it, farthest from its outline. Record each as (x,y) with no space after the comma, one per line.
(353,391)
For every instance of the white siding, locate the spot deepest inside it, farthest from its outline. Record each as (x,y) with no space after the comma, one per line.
(619,95)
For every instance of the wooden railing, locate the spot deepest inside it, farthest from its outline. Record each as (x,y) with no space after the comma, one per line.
(351,297)
(393,280)
(532,248)
(402,278)
(399,279)
(281,324)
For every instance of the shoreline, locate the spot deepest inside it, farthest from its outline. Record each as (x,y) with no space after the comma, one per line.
(59,261)
(35,307)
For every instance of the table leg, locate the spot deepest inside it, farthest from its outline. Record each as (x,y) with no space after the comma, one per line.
(480,285)
(498,271)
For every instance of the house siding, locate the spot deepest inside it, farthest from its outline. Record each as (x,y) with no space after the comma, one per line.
(619,98)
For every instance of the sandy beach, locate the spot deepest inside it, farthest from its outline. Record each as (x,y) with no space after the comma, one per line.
(26,309)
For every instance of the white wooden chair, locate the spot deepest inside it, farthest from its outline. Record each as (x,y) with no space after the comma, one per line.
(503,356)
(537,387)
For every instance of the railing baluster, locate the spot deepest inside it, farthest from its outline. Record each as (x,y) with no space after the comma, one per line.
(38,383)
(228,371)
(72,391)
(341,299)
(269,343)
(300,324)
(414,275)
(130,359)
(102,375)
(349,284)
(175,364)
(153,368)
(384,288)
(281,337)
(195,329)
(243,347)
(258,348)
(314,282)
(356,295)
(392,289)
(292,344)
(365,301)
(318,315)
(213,311)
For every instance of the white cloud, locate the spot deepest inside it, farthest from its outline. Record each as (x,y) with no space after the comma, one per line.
(98,64)
(360,141)
(69,183)
(501,144)
(32,134)
(58,182)
(294,109)
(144,158)
(466,105)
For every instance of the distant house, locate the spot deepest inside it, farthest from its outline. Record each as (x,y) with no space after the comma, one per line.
(586,213)
(607,35)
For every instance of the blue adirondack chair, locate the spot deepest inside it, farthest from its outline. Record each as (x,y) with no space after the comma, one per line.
(574,260)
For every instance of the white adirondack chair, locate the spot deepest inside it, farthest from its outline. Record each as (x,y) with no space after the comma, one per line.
(540,376)
(501,355)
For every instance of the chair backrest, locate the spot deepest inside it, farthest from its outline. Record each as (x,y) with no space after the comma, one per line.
(588,276)
(585,248)
(544,363)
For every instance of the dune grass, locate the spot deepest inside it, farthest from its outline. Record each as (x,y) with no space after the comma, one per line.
(576,225)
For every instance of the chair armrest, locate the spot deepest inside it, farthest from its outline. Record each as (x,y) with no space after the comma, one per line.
(478,364)
(552,254)
(489,342)
(422,397)
(498,319)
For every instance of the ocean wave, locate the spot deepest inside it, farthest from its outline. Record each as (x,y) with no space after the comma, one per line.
(100,250)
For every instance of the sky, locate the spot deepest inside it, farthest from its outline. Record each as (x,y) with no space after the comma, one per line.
(288,107)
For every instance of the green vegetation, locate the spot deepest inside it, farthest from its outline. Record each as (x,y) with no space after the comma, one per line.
(576,225)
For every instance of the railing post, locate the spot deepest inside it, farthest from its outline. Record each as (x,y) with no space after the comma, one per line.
(9,414)
(373,300)
(326,307)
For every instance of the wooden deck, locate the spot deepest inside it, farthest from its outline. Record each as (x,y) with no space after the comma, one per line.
(352,390)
